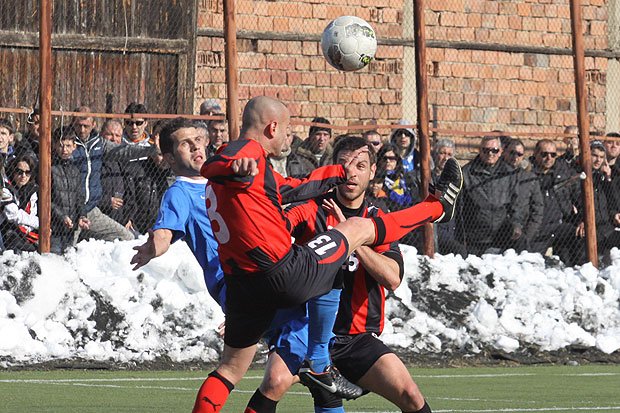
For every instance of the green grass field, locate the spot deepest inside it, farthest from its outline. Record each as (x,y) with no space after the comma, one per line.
(591,388)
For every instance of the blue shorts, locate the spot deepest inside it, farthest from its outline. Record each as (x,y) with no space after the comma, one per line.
(289,338)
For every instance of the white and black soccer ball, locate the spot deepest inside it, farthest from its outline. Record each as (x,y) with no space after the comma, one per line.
(349,43)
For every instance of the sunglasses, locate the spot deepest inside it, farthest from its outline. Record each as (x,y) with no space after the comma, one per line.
(22,172)
(551,154)
(390,158)
(375,143)
(134,122)
(487,151)
(518,154)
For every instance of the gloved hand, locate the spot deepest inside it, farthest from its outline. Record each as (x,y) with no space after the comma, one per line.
(6,196)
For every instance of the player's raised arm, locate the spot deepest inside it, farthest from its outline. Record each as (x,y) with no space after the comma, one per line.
(157,244)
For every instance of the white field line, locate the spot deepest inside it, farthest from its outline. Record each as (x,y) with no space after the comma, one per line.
(97,383)
(426,376)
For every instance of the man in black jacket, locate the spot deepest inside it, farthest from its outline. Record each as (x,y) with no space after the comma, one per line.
(529,188)
(559,185)
(492,210)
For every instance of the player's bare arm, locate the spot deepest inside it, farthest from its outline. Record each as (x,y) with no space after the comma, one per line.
(157,244)
(380,267)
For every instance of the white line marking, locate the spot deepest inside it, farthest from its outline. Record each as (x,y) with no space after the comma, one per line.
(426,376)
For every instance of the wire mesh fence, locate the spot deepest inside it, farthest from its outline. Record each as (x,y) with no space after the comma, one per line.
(501,95)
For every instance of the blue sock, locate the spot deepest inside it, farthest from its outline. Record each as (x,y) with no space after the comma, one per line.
(322,312)
(318,409)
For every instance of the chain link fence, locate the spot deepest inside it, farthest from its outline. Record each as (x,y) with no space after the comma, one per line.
(501,97)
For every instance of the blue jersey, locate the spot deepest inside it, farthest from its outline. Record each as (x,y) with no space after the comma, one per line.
(183,211)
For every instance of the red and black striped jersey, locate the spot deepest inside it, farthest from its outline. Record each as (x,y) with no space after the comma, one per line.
(362,302)
(246,211)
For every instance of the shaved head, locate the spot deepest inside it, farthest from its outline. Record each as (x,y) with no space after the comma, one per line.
(266,120)
(261,110)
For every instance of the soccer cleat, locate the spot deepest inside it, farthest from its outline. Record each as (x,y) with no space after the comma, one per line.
(447,189)
(330,380)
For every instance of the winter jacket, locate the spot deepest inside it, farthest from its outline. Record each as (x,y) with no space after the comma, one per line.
(89,157)
(19,221)
(146,184)
(490,203)
(67,196)
(114,184)
(560,191)
(307,158)
(529,188)
(293,165)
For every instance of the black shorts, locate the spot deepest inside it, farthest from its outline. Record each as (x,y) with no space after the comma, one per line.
(305,272)
(355,355)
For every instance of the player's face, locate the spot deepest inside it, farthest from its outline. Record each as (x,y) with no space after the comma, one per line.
(188,151)
(282,126)
(360,172)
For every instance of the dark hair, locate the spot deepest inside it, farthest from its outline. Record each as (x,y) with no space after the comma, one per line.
(165,136)
(613,135)
(352,143)
(63,134)
(390,147)
(514,141)
(5,123)
(214,121)
(315,129)
(29,159)
(135,107)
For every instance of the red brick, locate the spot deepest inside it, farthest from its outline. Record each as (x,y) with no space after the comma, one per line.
(308,79)
(323,79)
(293,78)
(302,63)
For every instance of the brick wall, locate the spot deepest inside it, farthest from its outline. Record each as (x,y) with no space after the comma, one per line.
(469,90)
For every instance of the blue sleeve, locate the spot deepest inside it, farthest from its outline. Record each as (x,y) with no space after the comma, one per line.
(174,212)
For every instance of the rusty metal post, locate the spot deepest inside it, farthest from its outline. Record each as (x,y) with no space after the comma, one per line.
(232,72)
(45,136)
(583,123)
(423,116)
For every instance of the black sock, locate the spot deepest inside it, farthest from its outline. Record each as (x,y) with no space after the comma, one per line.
(261,404)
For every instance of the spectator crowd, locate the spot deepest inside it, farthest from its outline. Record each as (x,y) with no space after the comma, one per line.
(108,180)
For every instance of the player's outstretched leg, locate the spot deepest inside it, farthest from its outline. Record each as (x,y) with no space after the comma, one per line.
(438,207)
(447,189)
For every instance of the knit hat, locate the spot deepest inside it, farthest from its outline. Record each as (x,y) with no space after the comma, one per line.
(315,129)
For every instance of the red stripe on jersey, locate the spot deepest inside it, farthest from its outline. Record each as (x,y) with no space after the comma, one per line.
(338,255)
(246,212)
(362,302)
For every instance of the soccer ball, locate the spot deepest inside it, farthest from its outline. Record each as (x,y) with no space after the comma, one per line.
(348,43)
